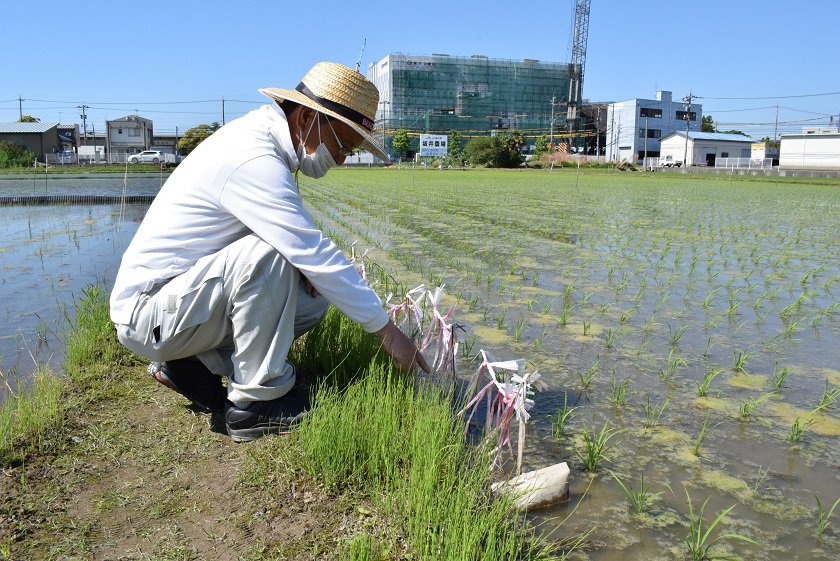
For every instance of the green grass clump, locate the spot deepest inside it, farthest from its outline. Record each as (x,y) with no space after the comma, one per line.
(27,419)
(383,438)
(337,347)
(91,340)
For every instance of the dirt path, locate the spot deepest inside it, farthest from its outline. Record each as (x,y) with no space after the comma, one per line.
(138,475)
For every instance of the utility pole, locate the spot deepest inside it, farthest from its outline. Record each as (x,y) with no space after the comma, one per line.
(776,126)
(84,119)
(598,132)
(687,99)
(644,161)
(551,123)
(20,106)
(223,110)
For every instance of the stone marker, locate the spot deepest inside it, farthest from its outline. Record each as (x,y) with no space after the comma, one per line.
(539,488)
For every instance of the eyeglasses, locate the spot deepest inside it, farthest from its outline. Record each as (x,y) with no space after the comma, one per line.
(341,149)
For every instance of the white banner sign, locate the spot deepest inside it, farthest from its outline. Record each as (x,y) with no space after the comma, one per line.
(433,145)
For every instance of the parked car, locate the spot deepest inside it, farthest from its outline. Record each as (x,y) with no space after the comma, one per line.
(146,156)
(669,161)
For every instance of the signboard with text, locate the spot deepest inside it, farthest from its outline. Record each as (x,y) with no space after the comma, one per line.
(433,145)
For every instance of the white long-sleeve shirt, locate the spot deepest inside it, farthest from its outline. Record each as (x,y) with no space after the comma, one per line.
(239,181)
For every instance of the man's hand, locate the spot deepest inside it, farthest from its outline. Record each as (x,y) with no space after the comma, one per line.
(401,349)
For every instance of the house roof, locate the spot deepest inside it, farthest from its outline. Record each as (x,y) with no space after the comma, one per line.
(31,128)
(129,119)
(697,135)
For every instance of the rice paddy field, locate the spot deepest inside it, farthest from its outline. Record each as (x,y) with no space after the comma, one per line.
(688,329)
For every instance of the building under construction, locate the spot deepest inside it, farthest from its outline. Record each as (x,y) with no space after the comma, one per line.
(477,96)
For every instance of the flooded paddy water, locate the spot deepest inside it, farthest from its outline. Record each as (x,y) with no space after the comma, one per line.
(698,317)
(49,254)
(632,294)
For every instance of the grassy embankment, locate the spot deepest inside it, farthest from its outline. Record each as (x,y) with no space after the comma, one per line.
(104,463)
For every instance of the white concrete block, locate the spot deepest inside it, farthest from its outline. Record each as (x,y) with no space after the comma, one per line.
(539,488)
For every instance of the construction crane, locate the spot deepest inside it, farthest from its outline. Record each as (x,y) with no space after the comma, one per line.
(580,36)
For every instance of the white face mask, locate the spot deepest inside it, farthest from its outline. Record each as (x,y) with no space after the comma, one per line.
(318,164)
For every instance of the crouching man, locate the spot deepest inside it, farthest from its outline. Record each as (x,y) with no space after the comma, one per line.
(228,268)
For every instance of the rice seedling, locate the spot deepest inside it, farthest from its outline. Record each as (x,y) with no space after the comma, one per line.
(563,318)
(588,377)
(653,412)
(564,415)
(824,518)
(596,446)
(469,344)
(708,345)
(677,334)
(518,328)
(740,361)
(791,327)
(627,314)
(733,307)
(829,396)
(587,328)
(707,301)
(473,303)
(701,436)
(674,363)
(760,478)
(798,428)
(618,390)
(546,307)
(500,318)
(780,376)
(640,499)
(750,405)
(611,336)
(567,294)
(698,541)
(708,377)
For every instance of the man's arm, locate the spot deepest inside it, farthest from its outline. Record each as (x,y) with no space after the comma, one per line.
(400,348)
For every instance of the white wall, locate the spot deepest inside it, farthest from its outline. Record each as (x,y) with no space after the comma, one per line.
(810,151)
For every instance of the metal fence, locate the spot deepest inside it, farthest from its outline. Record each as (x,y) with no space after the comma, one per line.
(744,163)
(99,158)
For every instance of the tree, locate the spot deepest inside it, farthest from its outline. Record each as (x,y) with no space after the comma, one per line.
(455,154)
(509,149)
(500,151)
(400,142)
(28,119)
(14,156)
(480,151)
(734,131)
(195,136)
(707,124)
(541,145)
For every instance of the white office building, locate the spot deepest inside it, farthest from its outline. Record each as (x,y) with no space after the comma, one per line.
(636,126)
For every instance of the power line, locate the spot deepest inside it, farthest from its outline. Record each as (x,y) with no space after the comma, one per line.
(773,96)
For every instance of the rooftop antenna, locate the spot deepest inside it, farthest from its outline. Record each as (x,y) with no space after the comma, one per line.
(359,62)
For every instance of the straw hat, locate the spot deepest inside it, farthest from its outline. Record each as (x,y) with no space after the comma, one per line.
(340,92)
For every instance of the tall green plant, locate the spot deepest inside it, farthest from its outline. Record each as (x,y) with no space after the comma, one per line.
(699,540)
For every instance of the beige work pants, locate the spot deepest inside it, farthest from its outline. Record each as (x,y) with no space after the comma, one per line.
(238,311)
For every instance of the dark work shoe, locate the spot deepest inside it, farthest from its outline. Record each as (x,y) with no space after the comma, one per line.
(266,417)
(190,378)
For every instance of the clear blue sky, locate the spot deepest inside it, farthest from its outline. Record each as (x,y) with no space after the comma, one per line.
(174,61)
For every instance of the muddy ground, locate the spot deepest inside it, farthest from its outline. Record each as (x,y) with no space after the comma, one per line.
(138,475)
